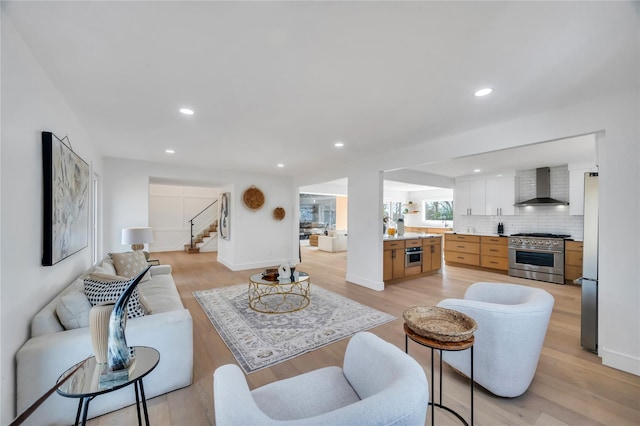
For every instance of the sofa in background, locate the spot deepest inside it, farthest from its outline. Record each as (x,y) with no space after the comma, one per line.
(335,241)
(167,326)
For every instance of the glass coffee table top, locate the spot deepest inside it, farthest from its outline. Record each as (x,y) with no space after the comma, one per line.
(86,381)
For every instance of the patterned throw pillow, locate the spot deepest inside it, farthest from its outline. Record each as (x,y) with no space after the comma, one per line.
(103,288)
(130,264)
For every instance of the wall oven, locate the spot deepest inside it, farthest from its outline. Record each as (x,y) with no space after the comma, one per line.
(537,257)
(412,256)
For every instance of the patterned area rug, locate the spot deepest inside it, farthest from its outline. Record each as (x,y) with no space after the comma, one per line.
(261,340)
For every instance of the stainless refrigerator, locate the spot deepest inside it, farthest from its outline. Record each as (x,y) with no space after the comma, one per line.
(589,317)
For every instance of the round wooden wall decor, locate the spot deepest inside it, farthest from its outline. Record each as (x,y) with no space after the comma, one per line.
(278,213)
(252,198)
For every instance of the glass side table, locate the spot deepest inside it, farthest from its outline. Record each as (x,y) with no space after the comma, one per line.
(85,382)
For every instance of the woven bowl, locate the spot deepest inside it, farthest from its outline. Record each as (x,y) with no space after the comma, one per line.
(440,324)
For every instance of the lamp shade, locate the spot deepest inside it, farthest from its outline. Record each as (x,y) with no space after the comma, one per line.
(141,235)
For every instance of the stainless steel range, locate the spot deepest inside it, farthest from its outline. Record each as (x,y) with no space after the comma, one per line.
(537,256)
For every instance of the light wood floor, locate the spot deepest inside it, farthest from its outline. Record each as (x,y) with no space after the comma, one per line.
(571,387)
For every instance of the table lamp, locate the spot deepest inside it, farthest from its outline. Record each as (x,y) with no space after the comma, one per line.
(137,237)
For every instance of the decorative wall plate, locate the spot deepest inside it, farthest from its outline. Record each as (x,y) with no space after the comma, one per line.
(278,213)
(252,198)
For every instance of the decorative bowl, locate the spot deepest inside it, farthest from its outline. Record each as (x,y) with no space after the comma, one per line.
(270,274)
(440,324)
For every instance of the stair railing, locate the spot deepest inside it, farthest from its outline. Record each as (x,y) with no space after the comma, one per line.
(192,220)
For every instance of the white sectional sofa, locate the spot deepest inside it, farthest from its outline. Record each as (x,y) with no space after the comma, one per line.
(334,242)
(52,349)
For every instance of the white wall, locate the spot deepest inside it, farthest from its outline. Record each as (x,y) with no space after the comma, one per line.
(170,209)
(30,104)
(618,158)
(257,239)
(364,245)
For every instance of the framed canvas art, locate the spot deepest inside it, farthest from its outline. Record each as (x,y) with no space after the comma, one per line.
(66,183)
(225,215)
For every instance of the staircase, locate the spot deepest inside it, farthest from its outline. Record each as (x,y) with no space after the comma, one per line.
(205,224)
(202,238)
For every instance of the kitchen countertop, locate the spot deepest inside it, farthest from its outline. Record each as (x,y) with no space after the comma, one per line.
(409,236)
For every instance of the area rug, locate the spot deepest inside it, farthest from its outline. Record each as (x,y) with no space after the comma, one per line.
(261,340)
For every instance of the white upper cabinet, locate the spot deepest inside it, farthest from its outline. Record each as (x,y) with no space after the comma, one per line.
(469,197)
(501,194)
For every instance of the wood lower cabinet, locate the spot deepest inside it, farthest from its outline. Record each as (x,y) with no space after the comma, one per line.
(393,260)
(572,260)
(462,248)
(494,253)
(394,257)
(431,254)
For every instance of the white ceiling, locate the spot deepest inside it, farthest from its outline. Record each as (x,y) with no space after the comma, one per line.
(581,149)
(278,82)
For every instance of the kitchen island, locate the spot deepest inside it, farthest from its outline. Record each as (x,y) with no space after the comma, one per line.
(411,255)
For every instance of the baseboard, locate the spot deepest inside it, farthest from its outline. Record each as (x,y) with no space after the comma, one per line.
(243,266)
(364,282)
(620,361)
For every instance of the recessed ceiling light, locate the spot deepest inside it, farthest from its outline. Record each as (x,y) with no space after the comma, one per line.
(498,175)
(338,144)
(280,165)
(483,92)
(169,151)
(186,111)
(477,171)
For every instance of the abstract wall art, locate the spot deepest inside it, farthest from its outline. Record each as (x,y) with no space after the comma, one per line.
(66,183)
(225,215)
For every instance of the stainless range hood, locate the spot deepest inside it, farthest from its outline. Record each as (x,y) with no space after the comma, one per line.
(543,191)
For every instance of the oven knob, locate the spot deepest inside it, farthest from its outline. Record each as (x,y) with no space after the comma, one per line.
(549,243)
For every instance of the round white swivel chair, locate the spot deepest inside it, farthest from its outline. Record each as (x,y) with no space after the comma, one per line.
(512,323)
(378,385)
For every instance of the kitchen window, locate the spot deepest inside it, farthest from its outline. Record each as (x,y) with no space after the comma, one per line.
(393,210)
(438,210)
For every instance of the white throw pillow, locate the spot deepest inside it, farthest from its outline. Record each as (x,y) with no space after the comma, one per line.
(106,267)
(73,310)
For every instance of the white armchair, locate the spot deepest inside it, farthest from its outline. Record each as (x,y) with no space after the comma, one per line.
(334,242)
(378,385)
(512,323)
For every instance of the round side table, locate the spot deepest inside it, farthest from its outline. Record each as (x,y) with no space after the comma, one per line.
(441,346)
(85,382)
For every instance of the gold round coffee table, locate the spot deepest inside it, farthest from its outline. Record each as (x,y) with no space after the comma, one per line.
(279,297)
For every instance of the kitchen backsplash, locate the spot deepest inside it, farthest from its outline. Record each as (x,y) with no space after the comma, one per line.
(548,219)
